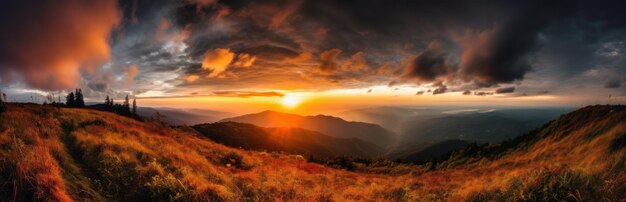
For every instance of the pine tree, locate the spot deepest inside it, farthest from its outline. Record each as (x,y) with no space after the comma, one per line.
(80,102)
(70,100)
(107,105)
(3,105)
(126,107)
(134,107)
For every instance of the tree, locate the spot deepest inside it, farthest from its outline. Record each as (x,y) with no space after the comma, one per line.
(70,100)
(126,107)
(79,102)
(108,104)
(135,107)
(3,105)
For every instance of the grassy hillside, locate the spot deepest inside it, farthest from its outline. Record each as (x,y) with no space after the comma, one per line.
(292,140)
(86,155)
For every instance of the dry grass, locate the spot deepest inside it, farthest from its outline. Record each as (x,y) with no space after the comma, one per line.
(85,155)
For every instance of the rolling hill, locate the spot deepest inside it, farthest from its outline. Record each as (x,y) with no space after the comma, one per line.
(292,140)
(422,155)
(329,125)
(64,154)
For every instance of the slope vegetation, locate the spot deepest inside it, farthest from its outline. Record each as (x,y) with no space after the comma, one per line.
(57,154)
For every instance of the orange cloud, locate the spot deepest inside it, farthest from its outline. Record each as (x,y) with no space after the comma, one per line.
(302,57)
(50,50)
(192,78)
(131,73)
(245,60)
(217,60)
(328,60)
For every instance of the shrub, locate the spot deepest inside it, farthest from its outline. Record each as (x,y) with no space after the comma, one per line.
(235,159)
(3,106)
(618,143)
(168,188)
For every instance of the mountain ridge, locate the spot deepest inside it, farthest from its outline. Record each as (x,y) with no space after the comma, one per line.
(291,140)
(328,125)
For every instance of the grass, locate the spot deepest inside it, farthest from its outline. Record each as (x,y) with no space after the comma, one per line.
(57,154)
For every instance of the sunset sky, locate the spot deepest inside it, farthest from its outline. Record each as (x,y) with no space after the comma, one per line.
(312,56)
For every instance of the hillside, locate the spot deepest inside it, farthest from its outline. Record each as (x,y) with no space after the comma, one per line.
(422,155)
(61,154)
(332,126)
(292,140)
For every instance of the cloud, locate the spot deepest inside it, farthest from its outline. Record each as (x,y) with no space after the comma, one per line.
(302,57)
(192,78)
(48,45)
(217,60)
(328,60)
(499,55)
(505,90)
(467,92)
(481,93)
(440,90)
(429,64)
(247,94)
(613,83)
(99,87)
(244,60)
(131,73)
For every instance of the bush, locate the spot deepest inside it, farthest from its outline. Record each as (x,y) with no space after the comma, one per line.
(236,160)
(3,106)
(168,188)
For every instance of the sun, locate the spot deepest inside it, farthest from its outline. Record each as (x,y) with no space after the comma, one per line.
(290,101)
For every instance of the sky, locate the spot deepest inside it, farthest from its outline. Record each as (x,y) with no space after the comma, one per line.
(314,55)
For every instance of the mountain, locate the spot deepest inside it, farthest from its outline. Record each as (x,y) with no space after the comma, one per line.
(329,125)
(183,116)
(422,155)
(392,118)
(66,154)
(292,140)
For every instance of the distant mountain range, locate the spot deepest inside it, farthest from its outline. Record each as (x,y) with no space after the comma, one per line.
(328,125)
(184,116)
(419,128)
(291,140)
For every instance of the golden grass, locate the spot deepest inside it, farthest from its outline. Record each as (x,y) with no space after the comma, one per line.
(43,151)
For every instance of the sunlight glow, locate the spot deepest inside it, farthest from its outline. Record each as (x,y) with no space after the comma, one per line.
(290,101)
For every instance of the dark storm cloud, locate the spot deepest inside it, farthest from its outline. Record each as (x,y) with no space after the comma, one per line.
(499,55)
(486,42)
(505,90)
(309,44)
(429,65)
(613,83)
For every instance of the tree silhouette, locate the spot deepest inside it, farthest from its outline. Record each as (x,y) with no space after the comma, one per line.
(79,100)
(3,105)
(108,104)
(135,107)
(70,100)
(126,107)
